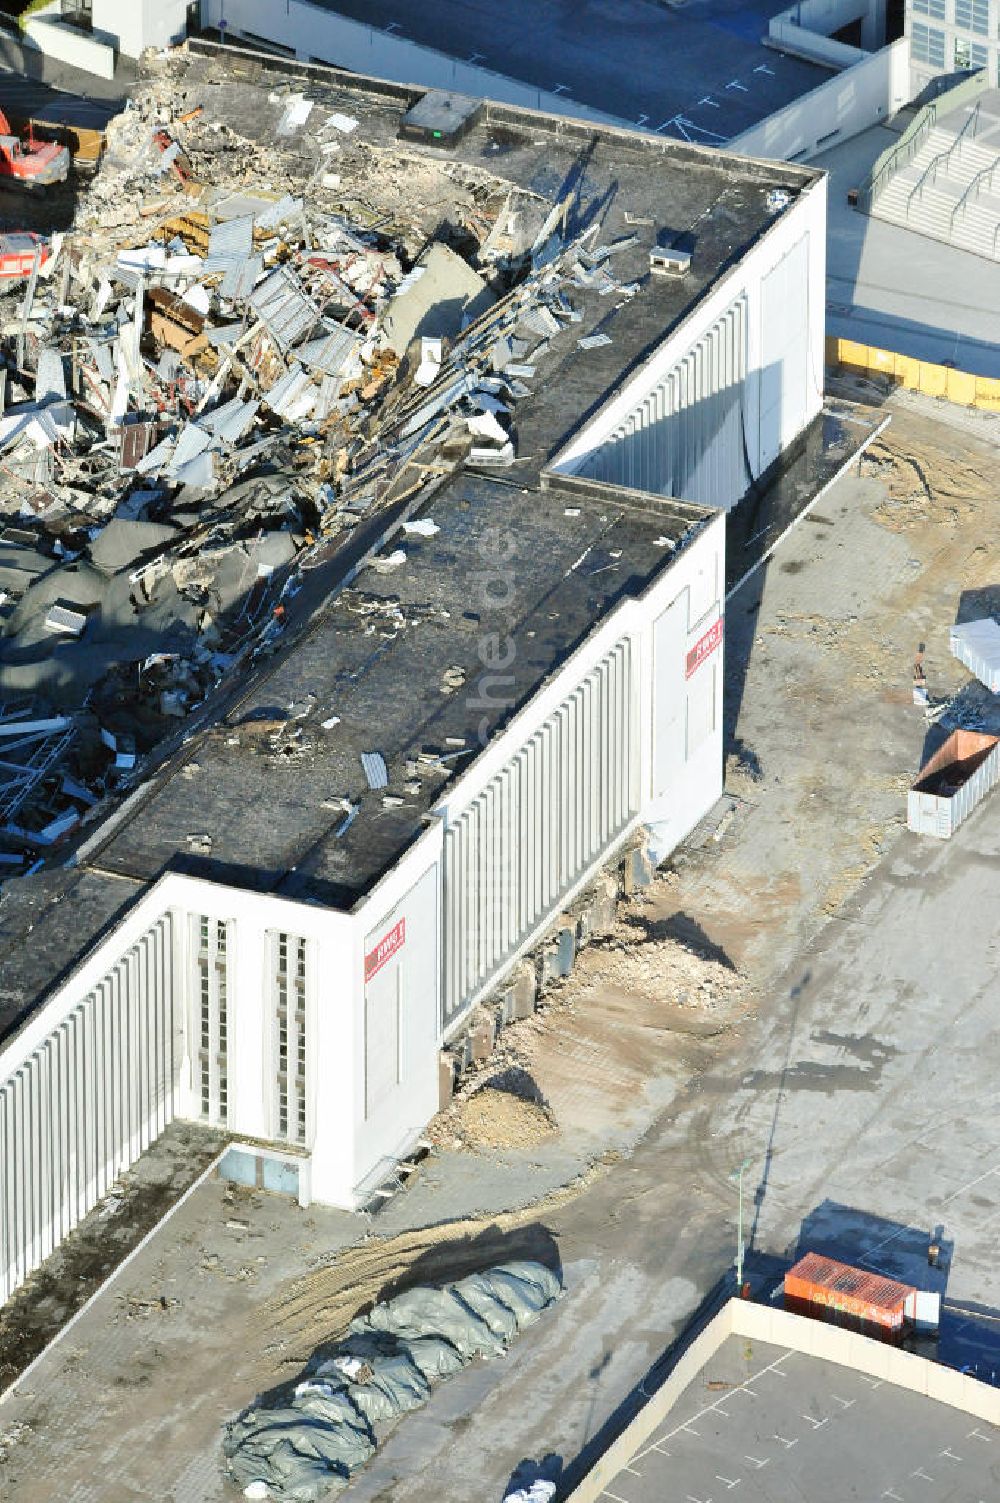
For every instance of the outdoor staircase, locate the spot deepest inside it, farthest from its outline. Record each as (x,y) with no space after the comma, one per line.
(950,190)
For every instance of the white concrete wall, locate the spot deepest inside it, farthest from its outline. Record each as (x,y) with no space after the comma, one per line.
(138,24)
(697,584)
(805,216)
(866,94)
(68,45)
(385,1131)
(806,30)
(313,32)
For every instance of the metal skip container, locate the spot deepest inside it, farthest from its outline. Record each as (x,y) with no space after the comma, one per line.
(952,783)
(827,1290)
(977,645)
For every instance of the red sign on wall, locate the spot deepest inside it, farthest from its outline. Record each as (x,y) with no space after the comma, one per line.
(704,647)
(386,948)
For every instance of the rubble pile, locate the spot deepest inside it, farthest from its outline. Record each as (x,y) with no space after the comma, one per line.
(237,356)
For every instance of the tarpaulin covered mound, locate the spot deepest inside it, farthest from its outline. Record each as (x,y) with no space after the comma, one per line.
(305,1445)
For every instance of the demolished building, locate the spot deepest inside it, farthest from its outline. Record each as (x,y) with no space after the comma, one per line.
(429,585)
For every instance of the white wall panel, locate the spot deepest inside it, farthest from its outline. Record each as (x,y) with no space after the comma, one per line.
(538,824)
(784,376)
(685,436)
(85,1103)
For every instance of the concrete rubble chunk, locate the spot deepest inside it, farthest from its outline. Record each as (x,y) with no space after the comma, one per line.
(447,294)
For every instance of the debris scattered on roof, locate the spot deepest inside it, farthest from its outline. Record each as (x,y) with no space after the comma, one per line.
(238,353)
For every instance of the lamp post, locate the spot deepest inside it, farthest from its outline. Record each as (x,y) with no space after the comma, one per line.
(737,1175)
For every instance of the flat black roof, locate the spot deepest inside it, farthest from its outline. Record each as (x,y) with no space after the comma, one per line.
(47,924)
(403,659)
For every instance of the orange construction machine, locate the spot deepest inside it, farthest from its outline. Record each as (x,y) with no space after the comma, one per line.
(28,163)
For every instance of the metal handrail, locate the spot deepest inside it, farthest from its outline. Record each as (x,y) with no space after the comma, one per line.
(974,188)
(906,150)
(912,138)
(930,171)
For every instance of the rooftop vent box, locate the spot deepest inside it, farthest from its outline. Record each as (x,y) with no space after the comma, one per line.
(440,119)
(669,261)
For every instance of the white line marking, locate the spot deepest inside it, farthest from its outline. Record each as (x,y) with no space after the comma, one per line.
(613,1496)
(772,1367)
(788,1444)
(845,1402)
(729,1481)
(735,84)
(950,1454)
(816,1424)
(754,1462)
(922,1475)
(978,1435)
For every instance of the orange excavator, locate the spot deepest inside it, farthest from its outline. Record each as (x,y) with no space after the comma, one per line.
(27,163)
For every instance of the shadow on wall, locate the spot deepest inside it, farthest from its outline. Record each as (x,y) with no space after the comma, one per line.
(704,451)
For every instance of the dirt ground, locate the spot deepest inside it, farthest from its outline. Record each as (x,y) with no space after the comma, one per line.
(721,1020)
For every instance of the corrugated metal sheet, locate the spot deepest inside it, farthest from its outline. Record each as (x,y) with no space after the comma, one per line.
(283,212)
(293,395)
(241,279)
(229,244)
(285,308)
(949,786)
(192,441)
(538,826)
(686,437)
(86,1103)
(977,645)
(375,769)
(330,352)
(231,421)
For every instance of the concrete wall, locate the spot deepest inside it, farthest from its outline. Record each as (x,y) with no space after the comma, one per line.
(806,30)
(312,32)
(68,45)
(865,95)
(137,24)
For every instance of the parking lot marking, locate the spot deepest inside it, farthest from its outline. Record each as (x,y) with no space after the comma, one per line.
(922,1475)
(729,1481)
(772,1367)
(788,1444)
(816,1424)
(754,1461)
(846,1403)
(892,1495)
(950,1454)
(978,1435)
(613,1496)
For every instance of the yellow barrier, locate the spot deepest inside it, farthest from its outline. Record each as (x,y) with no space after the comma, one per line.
(960,387)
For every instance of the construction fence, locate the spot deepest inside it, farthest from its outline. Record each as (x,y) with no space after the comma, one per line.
(960,387)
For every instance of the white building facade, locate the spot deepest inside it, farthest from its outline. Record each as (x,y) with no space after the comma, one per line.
(953,36)
(311,1035)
